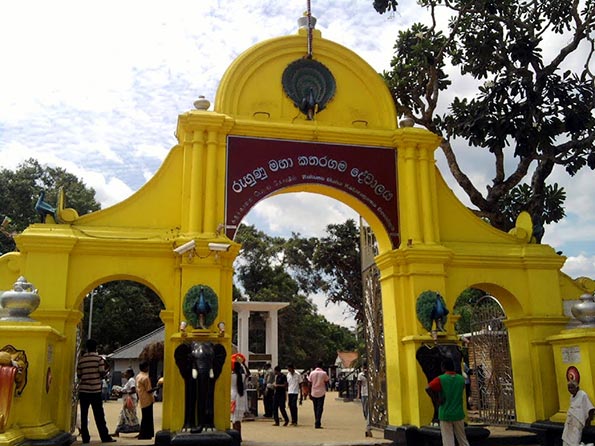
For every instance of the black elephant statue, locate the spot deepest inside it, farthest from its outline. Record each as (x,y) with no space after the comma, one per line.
(200,364)
(430,357)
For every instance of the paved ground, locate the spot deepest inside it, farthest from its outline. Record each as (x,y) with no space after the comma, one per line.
(343,425)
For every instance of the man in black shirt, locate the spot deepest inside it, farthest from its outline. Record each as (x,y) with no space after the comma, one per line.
(280,396)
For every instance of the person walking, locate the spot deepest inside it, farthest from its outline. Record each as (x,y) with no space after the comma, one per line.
(269,390)
(239,396)
(294,383)
(90,372)
(279,397)
(146,400)
(447,391)
(128,421)
(580,413)
(362,394)
(318,380)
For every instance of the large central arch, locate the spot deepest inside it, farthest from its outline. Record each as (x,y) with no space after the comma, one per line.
(427,239)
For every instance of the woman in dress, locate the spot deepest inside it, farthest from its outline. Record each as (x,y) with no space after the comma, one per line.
(239,398)
(128,421)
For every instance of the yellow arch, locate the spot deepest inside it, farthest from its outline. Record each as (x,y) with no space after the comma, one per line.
(444,248)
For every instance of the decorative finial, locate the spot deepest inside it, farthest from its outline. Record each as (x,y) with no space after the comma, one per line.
(19,302)
(406,122)
(584,310)
(202,103)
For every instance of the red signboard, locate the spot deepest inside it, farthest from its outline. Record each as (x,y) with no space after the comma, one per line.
(256,168)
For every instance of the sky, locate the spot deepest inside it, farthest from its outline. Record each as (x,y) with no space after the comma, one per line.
(96,88)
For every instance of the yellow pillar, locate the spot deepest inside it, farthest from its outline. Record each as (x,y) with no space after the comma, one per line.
(195,204)
(426,192)
(575,347)
(210,205)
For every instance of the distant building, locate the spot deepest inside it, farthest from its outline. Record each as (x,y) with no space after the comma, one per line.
(128,356)
(346,361)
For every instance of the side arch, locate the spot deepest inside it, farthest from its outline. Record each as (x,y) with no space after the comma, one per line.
(510,304)
(115,278)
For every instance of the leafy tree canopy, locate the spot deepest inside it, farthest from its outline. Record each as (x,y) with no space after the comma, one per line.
(533,103)
(20,189)
(464,306)
(275,269)
(338,257)
(122,312)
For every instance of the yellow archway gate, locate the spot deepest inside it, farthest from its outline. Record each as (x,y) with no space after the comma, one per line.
(427,239)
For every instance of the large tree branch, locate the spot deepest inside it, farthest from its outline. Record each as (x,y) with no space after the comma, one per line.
(462,179)
(562,151)
(581,31)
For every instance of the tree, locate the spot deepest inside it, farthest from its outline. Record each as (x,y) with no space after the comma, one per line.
(20,189)
(530,102)
(466,303)
(122,312)
(275,269)
(338,257)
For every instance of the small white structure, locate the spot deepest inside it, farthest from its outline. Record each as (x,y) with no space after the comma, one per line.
(271,329)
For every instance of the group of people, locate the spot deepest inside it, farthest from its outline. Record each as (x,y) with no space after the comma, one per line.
(91,371)
(446,391)
(292,388)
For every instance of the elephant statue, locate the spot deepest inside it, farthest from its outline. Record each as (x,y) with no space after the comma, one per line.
(429,357)
(200,364)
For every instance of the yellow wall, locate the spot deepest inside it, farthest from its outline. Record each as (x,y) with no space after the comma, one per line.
(444,246)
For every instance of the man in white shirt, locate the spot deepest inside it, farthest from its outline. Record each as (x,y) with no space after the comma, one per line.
(294,382)
(580,413)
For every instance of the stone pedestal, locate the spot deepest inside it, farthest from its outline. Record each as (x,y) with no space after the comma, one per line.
(33,415)
(211,438)
(575,347)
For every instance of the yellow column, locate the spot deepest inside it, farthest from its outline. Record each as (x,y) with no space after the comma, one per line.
(408,184)
(210,207)
(196,184)
(393,351)
(426,196)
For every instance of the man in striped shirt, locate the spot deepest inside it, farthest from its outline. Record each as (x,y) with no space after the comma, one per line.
(90,371)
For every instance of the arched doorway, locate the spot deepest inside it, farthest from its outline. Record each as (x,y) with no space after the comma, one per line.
(492,386)
(118,314)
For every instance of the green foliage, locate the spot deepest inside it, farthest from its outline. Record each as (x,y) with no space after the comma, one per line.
(420,64)
(518,199)
(20,189)
(464,308)
(338,257)
(383,6)
(466,303)
(279,270)
(526,98)
(122,312)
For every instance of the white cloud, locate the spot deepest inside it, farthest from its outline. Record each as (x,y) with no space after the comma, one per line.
(304,213)
(96,88)
(151,151)
(335,313)
(580,266)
